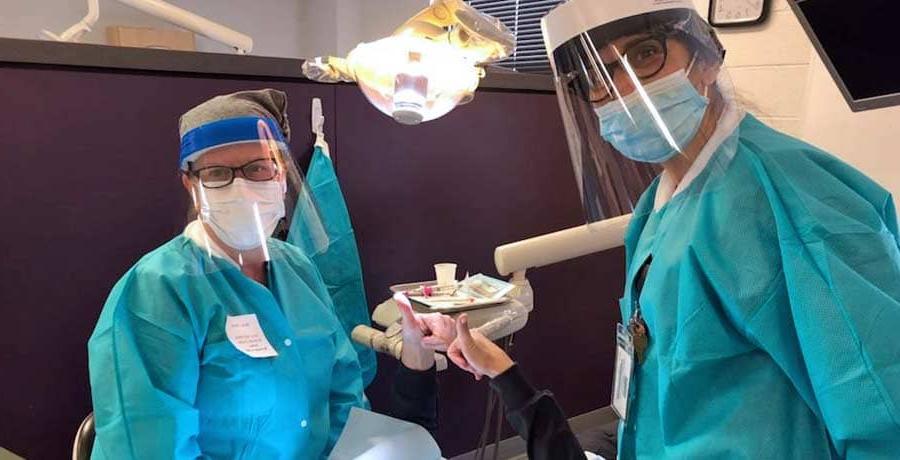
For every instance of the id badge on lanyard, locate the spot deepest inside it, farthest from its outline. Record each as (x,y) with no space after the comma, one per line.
(631,344)
(623,372)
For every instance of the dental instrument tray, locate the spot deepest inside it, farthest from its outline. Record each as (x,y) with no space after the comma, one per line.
(472,293)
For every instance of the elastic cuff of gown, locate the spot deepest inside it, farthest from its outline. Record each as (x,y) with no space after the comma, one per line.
(514,389)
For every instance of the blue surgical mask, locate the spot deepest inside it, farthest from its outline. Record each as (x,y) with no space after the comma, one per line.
(640,137)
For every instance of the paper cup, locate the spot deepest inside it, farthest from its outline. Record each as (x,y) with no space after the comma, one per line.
(445,273)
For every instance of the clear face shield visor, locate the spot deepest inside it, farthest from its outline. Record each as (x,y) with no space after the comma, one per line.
(628,92)
(247,193)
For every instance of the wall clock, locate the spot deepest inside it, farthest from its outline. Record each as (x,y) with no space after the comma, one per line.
(732,13)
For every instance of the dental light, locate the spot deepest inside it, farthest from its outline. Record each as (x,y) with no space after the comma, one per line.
(428,66)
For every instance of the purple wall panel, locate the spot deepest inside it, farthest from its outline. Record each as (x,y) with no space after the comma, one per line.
(89,185)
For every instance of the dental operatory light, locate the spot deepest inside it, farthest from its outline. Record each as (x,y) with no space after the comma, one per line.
(428,66)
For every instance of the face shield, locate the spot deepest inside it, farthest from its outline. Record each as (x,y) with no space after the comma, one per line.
(247,192)
(634,81)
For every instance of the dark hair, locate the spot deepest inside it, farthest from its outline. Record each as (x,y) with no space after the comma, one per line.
(191,206)
(683,23)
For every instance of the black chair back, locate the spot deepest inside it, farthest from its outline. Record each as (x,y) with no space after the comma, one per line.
(84,439)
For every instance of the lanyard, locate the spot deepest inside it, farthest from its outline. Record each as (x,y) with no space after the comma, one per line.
(636,325)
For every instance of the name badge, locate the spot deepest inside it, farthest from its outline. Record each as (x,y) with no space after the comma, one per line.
(245,333)
(623,371)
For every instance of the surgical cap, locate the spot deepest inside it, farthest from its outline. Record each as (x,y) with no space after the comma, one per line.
(232,118)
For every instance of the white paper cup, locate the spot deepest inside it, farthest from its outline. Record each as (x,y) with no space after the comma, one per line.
(445,273)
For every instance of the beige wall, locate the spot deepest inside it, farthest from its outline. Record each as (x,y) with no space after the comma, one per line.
(768,65)
(869,140)
(271,23)
(334,27)
(284,28)
(382,17)
(775,68)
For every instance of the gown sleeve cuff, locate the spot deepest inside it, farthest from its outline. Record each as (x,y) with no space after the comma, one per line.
(514,389)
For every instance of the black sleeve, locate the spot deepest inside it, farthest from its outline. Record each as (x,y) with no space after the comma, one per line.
(537,418)
(414,397)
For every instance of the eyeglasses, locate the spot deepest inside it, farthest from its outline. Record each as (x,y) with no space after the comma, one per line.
(259,170)
(645,56)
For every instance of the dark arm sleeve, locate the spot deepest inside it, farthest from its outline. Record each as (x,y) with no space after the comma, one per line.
(537,418)
(414,397)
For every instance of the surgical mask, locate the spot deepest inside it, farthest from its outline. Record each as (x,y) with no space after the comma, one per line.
(640,137)
(244,213)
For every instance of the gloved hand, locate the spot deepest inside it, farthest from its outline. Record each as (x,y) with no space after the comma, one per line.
(422,335)
(475,353)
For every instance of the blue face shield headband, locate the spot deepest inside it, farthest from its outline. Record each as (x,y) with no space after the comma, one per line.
(228,131)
